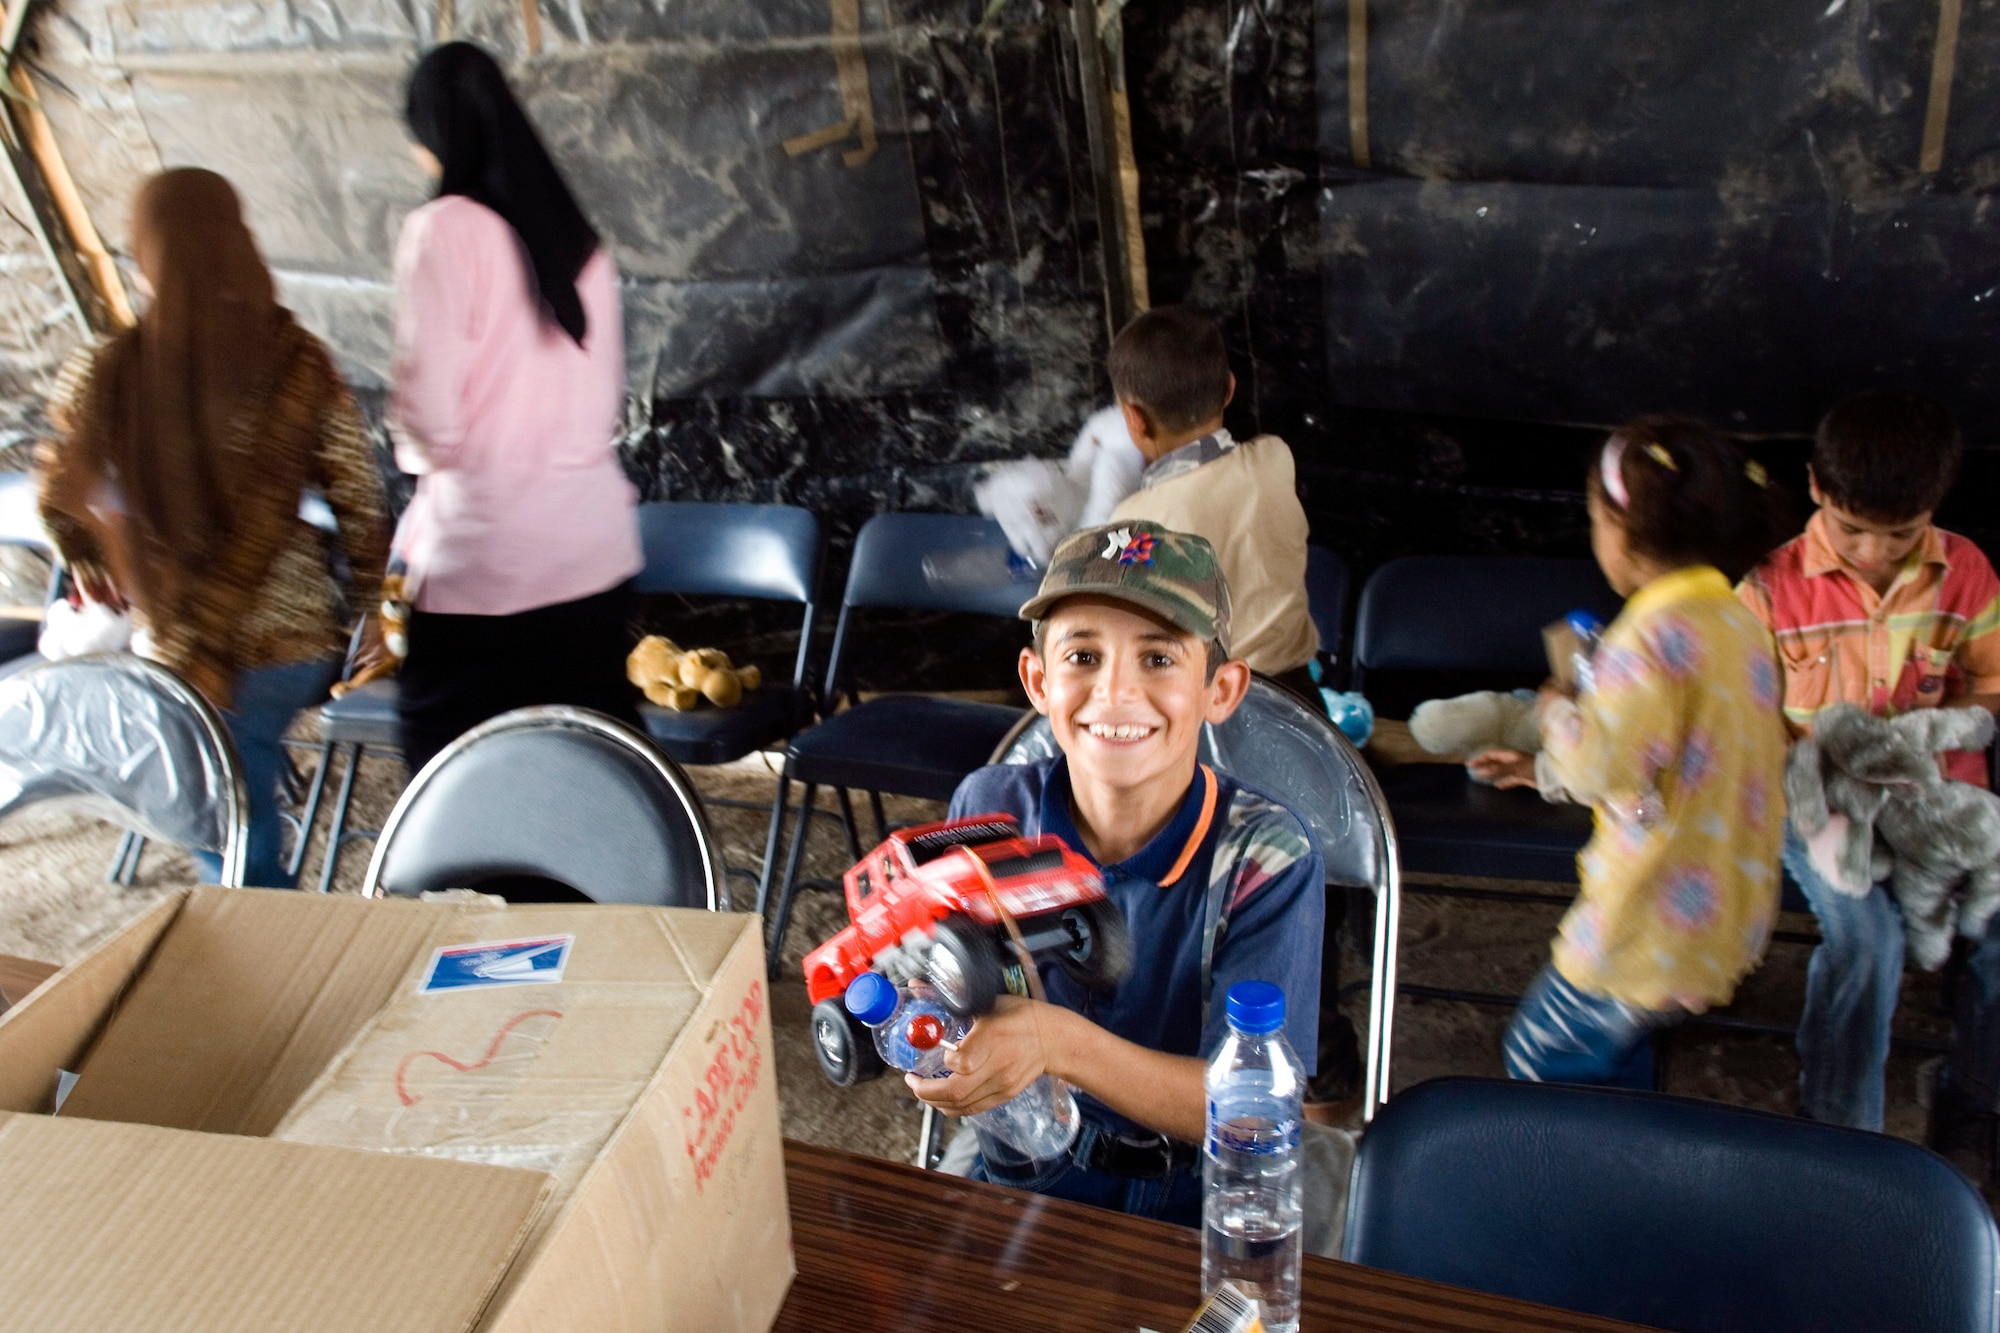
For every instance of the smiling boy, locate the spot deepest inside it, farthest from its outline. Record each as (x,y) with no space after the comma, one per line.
(1218,883)
(1874,605)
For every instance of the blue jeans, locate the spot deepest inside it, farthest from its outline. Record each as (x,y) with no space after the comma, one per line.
(1564,1034)
(1173,1198)
(266,700)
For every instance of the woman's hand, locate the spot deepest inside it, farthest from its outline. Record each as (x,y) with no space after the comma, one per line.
(1003,1053)
(1503,768)
(372,658)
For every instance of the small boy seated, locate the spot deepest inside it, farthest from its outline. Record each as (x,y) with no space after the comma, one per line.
(1875,605)
(1130,658)
(1170,373)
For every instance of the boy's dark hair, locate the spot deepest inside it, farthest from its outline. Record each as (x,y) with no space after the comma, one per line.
(1170,364)
(1691,496)
(1887,455)
(1038,632)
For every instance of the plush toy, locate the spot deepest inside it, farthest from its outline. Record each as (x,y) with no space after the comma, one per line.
(1866,794)
(1483,720)
(678,678)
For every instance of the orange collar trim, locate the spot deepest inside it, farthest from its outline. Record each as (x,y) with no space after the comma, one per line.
(1200,828)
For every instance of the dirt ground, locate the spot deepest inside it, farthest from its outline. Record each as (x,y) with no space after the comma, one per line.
(55,903)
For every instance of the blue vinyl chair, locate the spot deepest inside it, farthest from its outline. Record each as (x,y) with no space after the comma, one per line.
(768,552)
(560,794)
(1668,1212)
(904,744)
(1327,585)
(1474,614)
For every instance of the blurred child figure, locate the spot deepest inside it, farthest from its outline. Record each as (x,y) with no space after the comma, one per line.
(1677,747)
(1873,605)
(1170,373)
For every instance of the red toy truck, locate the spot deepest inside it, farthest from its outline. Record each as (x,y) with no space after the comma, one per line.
(922,904)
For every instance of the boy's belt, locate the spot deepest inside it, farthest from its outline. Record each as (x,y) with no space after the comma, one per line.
(1136,1156)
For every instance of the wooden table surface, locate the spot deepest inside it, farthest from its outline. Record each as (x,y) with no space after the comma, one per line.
(886,1248)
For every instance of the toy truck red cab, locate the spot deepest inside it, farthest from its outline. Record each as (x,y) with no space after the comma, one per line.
(928,902)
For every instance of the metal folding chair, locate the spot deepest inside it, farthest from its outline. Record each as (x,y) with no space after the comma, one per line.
(906,744)
(1278,745)
(129,741)
(561,794)
(766,552)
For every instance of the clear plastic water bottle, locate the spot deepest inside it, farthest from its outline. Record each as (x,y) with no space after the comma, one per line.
(1589,631)
(914,1031)
(990,566)
(1251,1223)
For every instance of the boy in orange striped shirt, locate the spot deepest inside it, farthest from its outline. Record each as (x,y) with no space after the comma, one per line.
(1874,605)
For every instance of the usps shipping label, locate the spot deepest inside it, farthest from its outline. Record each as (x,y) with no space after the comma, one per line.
(459,967)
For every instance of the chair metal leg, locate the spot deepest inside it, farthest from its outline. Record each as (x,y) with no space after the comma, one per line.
(123,850)
(881,819)
(125,860)
(771,836)
(336,830)
(789,888)
(847,822)
(928,1140)
(1382,985)
(309,813)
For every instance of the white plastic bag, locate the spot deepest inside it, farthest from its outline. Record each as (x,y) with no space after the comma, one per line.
(72,631)
(1106,464)
(1034,502)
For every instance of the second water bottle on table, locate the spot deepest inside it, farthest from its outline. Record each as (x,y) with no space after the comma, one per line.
(1252,1232)
(914,1031)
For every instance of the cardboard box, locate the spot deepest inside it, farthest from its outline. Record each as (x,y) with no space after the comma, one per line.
(19,976)
(295,1111)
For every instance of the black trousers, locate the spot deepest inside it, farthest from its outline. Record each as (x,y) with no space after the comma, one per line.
(463,670)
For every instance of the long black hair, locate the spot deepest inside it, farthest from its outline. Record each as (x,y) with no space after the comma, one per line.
(460,108)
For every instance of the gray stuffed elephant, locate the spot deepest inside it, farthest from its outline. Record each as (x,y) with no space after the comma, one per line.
(1871,787)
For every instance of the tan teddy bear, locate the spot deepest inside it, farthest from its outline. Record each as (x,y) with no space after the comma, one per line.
(678,678)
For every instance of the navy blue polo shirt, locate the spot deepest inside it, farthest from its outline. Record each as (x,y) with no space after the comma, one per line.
(1274,906)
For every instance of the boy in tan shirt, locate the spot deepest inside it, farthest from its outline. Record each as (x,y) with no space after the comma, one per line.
(1171,376)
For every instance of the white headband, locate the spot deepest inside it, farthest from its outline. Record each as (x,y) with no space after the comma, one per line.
(1611,471)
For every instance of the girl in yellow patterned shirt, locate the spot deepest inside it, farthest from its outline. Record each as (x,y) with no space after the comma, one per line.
(1677,746)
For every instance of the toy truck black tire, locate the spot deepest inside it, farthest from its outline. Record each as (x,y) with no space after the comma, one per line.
(965,966)
(1101,950)
(844,1045)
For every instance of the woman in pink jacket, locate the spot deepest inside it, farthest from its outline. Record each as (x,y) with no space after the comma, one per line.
(521,542)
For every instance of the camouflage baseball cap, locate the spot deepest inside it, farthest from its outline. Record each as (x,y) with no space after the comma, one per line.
(1172,574)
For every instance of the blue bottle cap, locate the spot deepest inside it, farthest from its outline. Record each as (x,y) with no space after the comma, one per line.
(1583,622)
(871,997)
(1254,1007)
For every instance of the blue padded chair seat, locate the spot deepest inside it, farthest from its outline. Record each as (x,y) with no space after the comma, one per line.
(1447,824)
(367,716)
(18,636)
(1669,1212)
(910,744)
(708,735)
